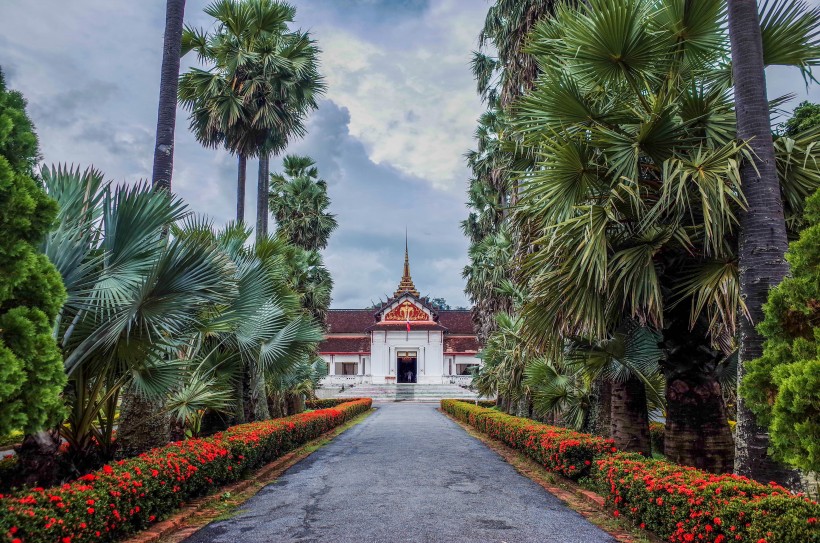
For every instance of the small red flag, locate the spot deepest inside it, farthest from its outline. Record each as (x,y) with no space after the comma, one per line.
(408,326)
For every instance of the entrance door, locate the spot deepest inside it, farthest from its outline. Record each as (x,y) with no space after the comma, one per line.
(406,367)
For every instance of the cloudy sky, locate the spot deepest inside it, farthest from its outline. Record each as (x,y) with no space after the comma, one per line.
(389,137)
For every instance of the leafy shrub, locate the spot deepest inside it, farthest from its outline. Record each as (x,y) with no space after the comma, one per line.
(783,386)
(677,503)
(681,504)
(131,494)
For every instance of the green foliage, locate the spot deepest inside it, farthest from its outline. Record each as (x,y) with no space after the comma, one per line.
(783,386)
(262,78)
(31,290)
(805,116)
(299,202)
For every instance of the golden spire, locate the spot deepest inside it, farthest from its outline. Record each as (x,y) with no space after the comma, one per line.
(406,284)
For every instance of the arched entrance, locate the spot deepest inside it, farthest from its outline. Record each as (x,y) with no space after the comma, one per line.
(407,366)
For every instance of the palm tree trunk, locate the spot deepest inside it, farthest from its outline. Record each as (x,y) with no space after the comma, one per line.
(240,188)
(599,419)
(630,419)
(143,425)
(697,427)
(763,240)
(169,82)
(38,459)
(262,196)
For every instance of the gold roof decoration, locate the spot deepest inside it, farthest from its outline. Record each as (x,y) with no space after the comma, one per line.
(406,285)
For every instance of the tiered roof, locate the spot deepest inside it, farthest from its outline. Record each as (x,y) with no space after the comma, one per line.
(406,284)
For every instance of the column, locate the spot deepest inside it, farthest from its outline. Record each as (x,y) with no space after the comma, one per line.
(331,366)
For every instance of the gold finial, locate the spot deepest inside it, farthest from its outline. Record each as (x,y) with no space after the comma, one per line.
(406,285)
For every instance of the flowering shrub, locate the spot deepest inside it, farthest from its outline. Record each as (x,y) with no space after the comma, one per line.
(131,494)
(561,450)
(677,503)
(685,504)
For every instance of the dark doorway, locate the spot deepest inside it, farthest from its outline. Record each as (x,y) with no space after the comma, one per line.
(406,369)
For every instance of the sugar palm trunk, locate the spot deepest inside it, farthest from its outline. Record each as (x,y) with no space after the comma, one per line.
(262,195)
(241,176)
(697,428)
(144,424)
(763,240)
(630,419)
(169,82)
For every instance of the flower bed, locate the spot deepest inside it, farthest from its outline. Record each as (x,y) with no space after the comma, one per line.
(131,494)
(560,450)
(679,504)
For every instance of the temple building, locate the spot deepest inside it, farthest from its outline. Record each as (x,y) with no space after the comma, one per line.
(405,340)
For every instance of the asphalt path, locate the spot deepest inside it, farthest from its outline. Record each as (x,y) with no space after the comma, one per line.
(407,473)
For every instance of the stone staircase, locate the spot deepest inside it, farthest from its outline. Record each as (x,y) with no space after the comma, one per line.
(409,392)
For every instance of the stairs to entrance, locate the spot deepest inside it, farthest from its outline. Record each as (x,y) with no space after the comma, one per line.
(409,392)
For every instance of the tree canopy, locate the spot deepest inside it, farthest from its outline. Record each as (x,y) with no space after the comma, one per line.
(31,290)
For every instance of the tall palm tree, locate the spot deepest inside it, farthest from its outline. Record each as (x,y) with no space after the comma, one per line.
(763,238)
(299,203)
(167,111)
(262,83)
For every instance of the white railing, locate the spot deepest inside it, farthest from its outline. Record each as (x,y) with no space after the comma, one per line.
(332,380)
(460,380)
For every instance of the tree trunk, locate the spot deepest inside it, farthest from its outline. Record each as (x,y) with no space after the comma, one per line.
(37,459)
(169,82)
(599,419)
(240,188)
(697,428)
(763,240)
(630,419)
(262,196)
(144,424)
(259,397)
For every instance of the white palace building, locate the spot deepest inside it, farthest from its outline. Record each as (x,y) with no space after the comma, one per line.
(406,340)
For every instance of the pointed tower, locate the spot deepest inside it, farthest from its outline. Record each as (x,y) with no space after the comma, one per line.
(406,284)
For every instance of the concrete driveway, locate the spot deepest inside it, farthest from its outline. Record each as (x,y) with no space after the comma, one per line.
(407,473)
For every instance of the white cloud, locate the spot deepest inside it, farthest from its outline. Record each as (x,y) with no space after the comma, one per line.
(411,98)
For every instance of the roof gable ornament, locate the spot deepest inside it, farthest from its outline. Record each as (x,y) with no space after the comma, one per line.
(406,284)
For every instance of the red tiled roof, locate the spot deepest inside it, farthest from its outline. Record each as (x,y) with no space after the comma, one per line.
(461,344)
(353,345)
(403,326)
(457,321)
(346,321)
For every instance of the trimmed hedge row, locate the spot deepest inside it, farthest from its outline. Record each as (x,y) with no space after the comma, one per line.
(131,494)
(561,450)
(324,403)
(679,504)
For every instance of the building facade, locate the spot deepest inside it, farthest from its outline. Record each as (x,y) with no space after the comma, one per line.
(406,340)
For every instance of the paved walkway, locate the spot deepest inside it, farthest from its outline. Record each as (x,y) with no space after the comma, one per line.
(405,474)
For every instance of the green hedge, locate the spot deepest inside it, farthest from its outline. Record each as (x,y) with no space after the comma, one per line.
(130,495)
(679,504)
(327,402)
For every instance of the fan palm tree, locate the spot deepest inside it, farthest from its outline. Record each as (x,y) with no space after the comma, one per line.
(299,202)
(134,297)
(632,209)
(791,30)
(262,82)
(167,111)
